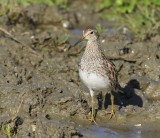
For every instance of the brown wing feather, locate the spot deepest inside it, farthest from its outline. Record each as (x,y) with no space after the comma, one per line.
(111,73)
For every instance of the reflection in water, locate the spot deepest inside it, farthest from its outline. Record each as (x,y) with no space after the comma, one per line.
(98,132)
(134,132)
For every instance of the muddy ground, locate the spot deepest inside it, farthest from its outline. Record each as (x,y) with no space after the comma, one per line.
(41,94)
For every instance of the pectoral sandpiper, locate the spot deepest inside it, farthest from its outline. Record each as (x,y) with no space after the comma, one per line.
(96,70)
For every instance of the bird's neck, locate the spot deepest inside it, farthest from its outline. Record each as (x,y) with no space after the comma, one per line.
(93,41)
(92,55)
(93,47)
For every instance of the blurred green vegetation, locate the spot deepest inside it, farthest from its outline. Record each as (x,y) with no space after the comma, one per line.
(140,16)
(100,29)
(63,4)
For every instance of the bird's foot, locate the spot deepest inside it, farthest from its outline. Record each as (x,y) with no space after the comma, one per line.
(112,114)
(92,119)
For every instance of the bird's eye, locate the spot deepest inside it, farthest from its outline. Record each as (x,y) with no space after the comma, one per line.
(91,32)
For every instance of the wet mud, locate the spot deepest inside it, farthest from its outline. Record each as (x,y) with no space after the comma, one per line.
(41,94)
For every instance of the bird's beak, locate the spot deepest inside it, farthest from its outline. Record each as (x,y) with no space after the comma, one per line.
(80,40)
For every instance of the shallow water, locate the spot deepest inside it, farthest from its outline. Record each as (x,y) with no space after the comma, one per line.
(135,132)
(111,130)
(98,132)
(76,34)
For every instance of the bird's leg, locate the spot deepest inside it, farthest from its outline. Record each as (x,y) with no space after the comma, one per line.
(103,100)
(112,112)
(92,119)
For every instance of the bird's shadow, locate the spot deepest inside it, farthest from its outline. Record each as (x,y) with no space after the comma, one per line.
(127,97)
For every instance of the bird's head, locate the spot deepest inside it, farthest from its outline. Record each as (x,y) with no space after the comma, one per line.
(89,34)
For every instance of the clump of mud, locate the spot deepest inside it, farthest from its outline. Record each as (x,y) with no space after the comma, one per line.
(41,93)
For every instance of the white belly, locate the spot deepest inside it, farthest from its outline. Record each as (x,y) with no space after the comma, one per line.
(94,81)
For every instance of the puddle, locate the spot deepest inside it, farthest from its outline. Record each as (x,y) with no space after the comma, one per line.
(107,130)
(99,132)
(75,34)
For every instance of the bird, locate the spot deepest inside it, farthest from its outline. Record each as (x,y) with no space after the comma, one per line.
(96,71)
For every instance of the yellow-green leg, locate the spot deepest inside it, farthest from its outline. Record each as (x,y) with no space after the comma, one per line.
(112,112)
(92,119)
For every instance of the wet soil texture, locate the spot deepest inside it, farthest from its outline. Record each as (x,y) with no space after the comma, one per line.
(41,95)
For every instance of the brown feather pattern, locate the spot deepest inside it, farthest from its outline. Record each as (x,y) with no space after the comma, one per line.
(94,61)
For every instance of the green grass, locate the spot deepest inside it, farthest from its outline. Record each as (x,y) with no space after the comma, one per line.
(62,4)
(140,16)
(48,2)
(100,29)
(8,126)
(6,129)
